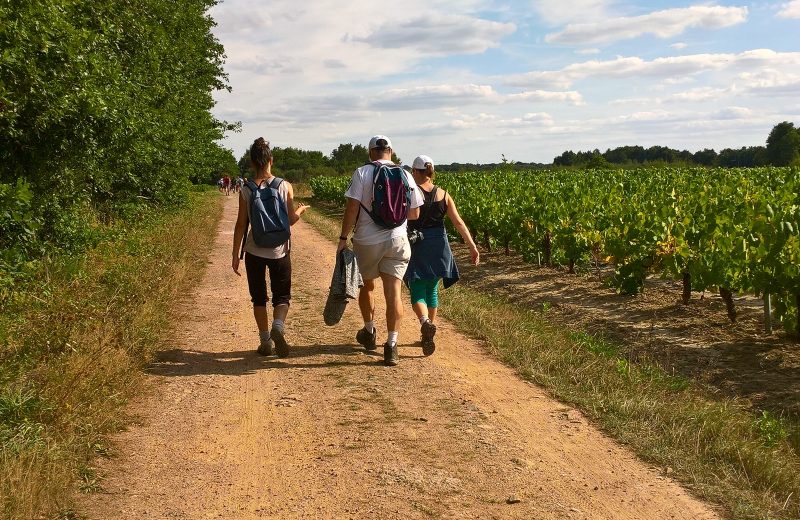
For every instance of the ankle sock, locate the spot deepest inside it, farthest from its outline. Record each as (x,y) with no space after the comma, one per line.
(392,337)
(370,326)
(263,336)
(423,319)
(277,325)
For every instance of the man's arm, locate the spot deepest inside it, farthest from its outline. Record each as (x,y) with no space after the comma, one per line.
(348,221)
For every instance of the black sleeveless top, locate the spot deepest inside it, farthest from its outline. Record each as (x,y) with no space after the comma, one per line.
(432,212)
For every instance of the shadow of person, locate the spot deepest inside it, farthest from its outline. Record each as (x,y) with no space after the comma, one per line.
(178,362)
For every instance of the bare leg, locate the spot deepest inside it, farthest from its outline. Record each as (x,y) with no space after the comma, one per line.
(432,313)
(280,312)
(260,314)
(420,310)
(366,300)
(394,303)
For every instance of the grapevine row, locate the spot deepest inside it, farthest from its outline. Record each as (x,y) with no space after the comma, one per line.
(730,230)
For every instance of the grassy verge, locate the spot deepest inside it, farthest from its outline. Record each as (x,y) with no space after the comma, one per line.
(73,341)
(716,447)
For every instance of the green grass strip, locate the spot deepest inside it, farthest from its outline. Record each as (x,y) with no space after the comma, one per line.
(74,340)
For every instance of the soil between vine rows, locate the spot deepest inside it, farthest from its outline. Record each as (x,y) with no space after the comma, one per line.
(696,340)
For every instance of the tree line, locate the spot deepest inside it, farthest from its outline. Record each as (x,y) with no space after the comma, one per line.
(104,112)
(782,149)
(298,165)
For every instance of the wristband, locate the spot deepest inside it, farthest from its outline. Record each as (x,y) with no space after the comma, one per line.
(343,238)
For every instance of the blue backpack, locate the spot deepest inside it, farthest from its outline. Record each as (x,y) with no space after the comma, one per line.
(268,216)
(391,195)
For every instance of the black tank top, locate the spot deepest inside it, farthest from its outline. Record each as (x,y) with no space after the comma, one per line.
(432,212)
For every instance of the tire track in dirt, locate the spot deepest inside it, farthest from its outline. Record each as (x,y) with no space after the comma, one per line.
(331,433)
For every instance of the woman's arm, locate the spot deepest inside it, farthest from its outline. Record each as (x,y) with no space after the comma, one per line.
(238,232)
(294,213)
(455,218)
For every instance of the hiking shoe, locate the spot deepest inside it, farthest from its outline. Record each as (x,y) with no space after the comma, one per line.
(280,342)
(428,331)
(367,339)
(265,348)
(390,357)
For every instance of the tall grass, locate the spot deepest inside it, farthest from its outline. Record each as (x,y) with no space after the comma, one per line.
(73,341)
(715,446)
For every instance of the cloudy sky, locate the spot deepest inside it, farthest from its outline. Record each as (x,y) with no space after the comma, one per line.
(469,80)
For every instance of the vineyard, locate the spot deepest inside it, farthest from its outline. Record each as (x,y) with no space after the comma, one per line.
(729,230)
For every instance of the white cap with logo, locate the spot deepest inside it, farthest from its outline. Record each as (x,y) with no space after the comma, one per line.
(373,143)
(421,161)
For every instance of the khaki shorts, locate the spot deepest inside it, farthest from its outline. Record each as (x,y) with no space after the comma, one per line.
(390,257)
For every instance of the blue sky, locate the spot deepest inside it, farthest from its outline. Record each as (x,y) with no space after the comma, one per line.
(467,81)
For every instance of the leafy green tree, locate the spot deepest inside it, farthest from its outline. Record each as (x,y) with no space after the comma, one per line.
(783,145)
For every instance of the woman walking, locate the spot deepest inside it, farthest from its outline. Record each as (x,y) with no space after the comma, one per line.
(431,257)
(267,246)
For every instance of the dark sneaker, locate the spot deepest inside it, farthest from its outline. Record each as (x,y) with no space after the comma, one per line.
(390,357)
(428,332)
(366,339)
(265,348)
(280,342)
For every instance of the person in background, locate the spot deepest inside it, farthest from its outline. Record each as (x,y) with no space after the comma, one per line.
(381,252)
(258,260)
(431,257)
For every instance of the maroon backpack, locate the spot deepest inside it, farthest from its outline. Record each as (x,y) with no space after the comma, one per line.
(391,195)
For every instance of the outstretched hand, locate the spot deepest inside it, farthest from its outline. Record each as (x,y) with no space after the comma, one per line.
(301,208)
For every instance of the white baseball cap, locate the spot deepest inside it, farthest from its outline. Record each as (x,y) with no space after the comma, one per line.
(373,143)
(421,161)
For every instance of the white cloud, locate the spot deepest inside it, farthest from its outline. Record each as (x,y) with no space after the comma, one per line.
(679,45)
(439,34)
(559,12)
(790,10)
(663,24)
(667,67)
(588,51)
(572,97)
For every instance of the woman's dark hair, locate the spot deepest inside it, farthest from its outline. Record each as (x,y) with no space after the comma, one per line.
(260,153)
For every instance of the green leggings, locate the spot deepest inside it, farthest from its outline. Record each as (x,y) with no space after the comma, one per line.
(425,291)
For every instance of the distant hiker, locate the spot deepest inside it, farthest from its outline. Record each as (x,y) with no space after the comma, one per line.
(267,204)
(431,257)
(226,184)
(381,198)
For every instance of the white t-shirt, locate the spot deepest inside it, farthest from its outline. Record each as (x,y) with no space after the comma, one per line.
(250,245)
(367,231)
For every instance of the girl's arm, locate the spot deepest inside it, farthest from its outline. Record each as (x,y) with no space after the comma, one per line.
(455,218)
(294,213)
(238,232)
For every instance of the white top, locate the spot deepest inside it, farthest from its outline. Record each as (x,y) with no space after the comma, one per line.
(367,231)
(250,246)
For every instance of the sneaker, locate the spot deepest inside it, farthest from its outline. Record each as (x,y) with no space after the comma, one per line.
(280,342)
(265,348)
(367,339)
(428,331)
(390,357)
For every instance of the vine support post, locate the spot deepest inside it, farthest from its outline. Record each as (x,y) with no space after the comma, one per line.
(687,287)
(767,313)
(797,308)
(727,297)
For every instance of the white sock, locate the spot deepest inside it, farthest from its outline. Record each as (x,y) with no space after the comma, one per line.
(263,335)
(392,337)
(278,325)
(422,319)
(370,326)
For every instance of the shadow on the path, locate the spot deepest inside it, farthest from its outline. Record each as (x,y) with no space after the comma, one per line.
(186,362)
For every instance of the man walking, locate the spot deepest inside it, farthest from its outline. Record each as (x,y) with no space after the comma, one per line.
(380,243)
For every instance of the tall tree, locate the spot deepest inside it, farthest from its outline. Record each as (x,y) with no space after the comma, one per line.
(783,144)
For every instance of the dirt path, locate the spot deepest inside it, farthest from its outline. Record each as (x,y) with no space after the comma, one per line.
(331,433)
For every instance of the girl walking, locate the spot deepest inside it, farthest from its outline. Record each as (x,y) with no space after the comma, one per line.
(273,258)
(431,257)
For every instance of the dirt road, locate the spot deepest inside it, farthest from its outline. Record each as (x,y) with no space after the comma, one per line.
(331,433)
